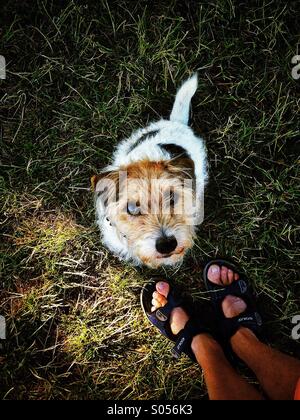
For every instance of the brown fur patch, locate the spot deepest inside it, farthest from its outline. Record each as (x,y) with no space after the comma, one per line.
(182,166)
(113,175)
(145,169)
(156,215)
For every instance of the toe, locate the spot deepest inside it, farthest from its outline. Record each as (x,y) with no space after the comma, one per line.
(224,277)
(236,276)
(214,274)
(230,276)
(155,303)
(163,288)
(159,298)
(158,303)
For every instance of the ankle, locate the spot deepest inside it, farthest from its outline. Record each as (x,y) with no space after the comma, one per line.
(204,344)
(242,341)
(242,335)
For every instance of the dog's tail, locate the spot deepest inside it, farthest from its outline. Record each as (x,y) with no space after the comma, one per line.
(181,107)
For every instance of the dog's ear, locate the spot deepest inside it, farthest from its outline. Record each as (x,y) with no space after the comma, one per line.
(94,180)
(106,186)
(109,175)
(182,166)
(180,162)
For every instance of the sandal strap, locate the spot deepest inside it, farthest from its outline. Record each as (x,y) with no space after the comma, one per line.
(248,319)
(237,288)
(160,318)
(163,313)
(185,337)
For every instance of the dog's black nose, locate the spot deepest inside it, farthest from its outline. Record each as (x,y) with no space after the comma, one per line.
(166,244)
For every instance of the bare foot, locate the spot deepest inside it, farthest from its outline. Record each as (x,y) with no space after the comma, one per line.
(179,318)
(223,276)
(232,305)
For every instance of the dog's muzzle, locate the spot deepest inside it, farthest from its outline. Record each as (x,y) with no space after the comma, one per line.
(166,244)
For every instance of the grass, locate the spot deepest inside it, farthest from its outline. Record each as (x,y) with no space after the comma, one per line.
(80,77)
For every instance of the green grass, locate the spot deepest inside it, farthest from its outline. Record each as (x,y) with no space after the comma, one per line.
(80,77)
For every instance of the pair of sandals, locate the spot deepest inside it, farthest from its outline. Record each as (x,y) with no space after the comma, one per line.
(226,327)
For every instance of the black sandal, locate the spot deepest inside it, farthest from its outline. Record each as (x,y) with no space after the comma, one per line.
(241,288)
(160,318)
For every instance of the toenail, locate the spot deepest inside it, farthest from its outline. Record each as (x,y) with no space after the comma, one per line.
(160,285)
(215,270)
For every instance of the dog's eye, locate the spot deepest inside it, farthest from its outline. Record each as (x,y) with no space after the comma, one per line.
(133,209)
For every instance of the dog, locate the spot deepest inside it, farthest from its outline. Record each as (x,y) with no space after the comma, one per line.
(141,197)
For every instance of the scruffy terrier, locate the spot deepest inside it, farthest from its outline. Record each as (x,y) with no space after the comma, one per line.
(150,200)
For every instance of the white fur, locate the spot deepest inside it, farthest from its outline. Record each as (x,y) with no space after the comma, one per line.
(181,107)
(173,131)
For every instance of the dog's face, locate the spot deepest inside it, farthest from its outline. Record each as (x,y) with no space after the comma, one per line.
(148,204)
